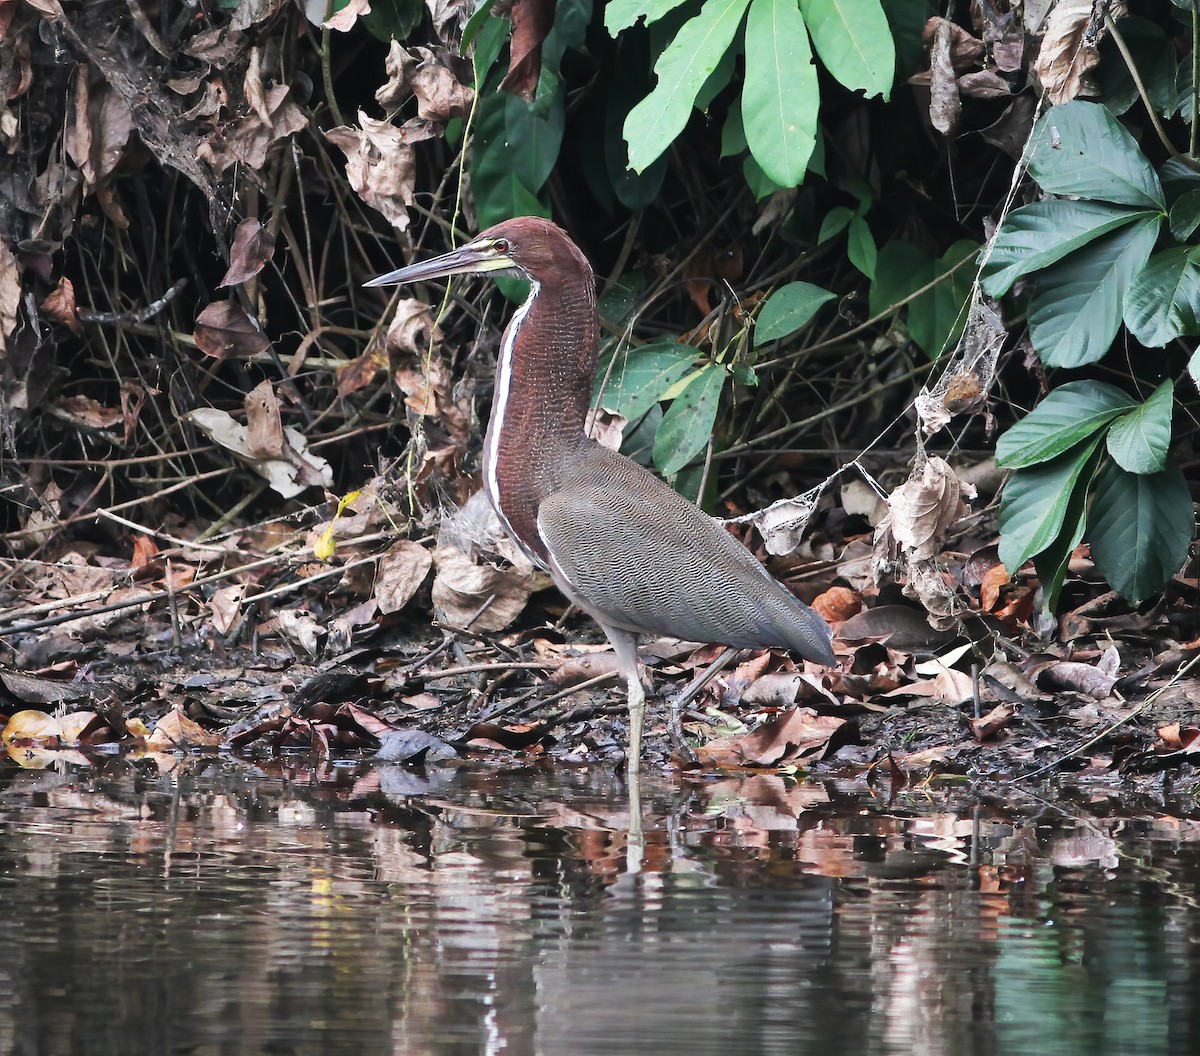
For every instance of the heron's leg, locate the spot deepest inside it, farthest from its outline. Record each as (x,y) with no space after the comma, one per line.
(624,644)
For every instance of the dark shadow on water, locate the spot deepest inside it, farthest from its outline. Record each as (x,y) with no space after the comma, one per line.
(218,906)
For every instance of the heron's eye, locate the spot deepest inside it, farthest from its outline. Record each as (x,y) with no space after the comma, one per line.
(502,245)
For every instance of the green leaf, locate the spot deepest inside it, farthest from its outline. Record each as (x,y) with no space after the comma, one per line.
(688,424)
(1076,311)
(1184,217)
(1194,368)
(758,181)
(642,376)
(936,318)
(733,135)
(1035,236)
(1139,439)
(389,20)
(621,14)
(854,41)
(835,222)
(788,309)
(625,80)
(1153,55)
(1067,416)
(1033,508)
(1051,564)
(1164,300)
(682,69)
(532,138)
(1080,149)
(780,96)
(860,247)
(1140,528)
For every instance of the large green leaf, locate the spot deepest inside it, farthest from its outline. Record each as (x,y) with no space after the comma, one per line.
(1164,300)
(854,41)
(1034,506)
(787,310)
(1068,415)
(936,317)
(533,134)
(1139,439)
(1051,563)
(1080,149)
(688,424)
(621,14)
(780,95)
(1076,311)
(682,69)
(1184,217)
(1036,236)
(641,376)
(1140,528)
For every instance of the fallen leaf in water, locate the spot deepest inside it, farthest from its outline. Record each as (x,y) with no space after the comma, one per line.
(176,730)
(32,728)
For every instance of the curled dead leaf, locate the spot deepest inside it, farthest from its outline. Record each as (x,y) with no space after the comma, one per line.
(925,507)
(478,596)
(1071,47)
(223,329)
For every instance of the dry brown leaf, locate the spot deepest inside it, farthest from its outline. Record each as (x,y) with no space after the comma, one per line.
(223,329)
(944,104)
(402,570)
(225,607)
(440,87)
(787,737)
(477,596)
(381,164)
(264,424)
(88,412)
(298,627)
(252,248)
(411,328)
(838,604)
(176,730)
(60,305)
(925,507)
(993,722)
(361,371)
(1071,48)
(984,84)
(531,21)
(272,116)
(964,49)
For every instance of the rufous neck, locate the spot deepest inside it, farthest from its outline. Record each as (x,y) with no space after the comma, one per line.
(544,378)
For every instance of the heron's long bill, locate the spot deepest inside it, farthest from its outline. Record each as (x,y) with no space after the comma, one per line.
(479,256)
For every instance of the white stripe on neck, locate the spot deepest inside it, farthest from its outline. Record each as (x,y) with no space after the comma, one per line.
(500,398)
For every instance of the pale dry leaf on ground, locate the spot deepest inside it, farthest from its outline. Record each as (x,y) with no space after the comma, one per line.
(787,737)
(298,627)
(225,606)
(402,570)
(176,730)
(473,595)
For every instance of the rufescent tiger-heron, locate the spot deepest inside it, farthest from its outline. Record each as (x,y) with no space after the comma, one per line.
(617,541)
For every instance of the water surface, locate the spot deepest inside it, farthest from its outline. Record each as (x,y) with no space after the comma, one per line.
(169,905)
